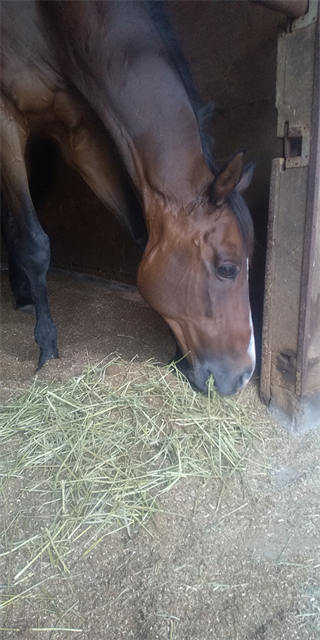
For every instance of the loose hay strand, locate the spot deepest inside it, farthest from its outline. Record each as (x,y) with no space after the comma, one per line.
(94,454)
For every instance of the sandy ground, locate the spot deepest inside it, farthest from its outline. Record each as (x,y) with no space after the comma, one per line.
(92,322)
(238,560)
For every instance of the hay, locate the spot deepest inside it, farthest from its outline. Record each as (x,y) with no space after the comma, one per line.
(92,455)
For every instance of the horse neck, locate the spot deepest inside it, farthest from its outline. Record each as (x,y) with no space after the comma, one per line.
(163,157)
(150,117)
(121,66)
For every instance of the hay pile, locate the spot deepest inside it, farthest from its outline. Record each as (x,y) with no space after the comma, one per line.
(93,454)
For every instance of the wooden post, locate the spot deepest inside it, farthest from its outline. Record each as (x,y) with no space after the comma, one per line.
(290,373)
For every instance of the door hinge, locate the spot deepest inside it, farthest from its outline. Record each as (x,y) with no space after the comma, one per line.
(307,18)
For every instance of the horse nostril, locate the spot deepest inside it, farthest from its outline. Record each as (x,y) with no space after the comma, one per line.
(226,380)
(245,377)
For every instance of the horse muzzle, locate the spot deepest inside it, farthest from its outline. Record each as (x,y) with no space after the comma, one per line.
(227,379)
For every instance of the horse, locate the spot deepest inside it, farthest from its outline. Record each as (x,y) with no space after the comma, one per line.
(108,82)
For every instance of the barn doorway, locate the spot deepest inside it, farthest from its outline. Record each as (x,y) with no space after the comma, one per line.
(241,55)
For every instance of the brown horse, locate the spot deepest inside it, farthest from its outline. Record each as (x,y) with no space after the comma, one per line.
(106,80)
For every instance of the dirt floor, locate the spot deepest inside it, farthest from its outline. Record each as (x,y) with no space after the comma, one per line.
(92,322)
(238,560)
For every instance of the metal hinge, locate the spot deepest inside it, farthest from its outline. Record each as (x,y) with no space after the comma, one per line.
(308,17)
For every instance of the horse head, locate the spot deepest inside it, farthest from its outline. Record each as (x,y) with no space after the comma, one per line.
(194,272)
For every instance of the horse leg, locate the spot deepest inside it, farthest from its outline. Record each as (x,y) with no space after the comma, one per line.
(19,282)
(31,245)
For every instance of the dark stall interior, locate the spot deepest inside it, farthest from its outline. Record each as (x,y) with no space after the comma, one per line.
(231,48)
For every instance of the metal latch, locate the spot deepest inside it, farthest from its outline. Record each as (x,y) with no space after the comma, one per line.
(296,145)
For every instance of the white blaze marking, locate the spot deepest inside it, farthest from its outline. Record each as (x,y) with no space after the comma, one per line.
(252,346)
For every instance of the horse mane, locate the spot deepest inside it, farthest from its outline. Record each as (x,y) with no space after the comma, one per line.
(203,113)
(245,222)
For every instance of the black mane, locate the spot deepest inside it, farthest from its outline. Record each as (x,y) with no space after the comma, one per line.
(242,213)
(203,112)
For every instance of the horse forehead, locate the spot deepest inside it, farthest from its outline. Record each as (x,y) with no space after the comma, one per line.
(219,230)
(191,241)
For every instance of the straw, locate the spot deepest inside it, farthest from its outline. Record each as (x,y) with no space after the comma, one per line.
(93,455)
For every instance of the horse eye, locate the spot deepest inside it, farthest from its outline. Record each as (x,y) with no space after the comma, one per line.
(227,272)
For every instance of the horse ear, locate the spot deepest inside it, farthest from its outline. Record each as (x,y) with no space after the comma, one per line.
(246,177)
(228,178)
